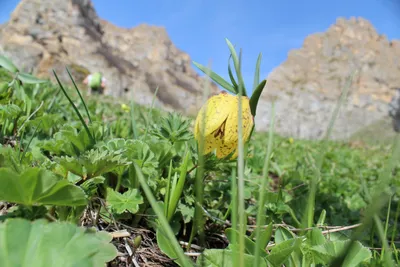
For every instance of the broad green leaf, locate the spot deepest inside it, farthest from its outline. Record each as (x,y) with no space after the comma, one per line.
(256,96)
(282,234)
(316,237)
(37,186)
(328,251)
(29,79)
(281,252)
(7,64)
(127,201)
(39,243)
(216,78)
(223,258)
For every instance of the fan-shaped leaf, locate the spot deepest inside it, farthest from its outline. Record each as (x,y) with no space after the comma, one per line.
(36,244)
(37,186)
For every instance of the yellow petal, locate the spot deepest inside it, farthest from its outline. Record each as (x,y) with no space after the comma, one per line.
(221,124)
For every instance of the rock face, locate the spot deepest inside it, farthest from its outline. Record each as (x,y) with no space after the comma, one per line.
(50,34)
(307,86)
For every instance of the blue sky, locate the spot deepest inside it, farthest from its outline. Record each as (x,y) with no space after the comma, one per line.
(199,27)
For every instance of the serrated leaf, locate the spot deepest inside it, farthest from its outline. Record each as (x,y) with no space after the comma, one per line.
(128,201)
(37,186)
(39,243)
(281,252)
(328,251)
(29,79)
(7,64)
(187,212)
(93,163)
(215,77)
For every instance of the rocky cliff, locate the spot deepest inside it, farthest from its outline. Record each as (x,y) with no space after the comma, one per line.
(42,35)
(50,34)
(307,86)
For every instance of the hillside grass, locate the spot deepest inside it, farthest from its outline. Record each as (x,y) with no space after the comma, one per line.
(139,168)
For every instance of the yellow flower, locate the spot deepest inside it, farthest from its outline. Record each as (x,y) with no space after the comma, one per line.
(291,140)
(221,124)
(125,107)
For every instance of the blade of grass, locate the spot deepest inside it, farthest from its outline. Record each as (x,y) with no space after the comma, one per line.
(396,217)
(149,115)
(237,65)
(160,215)
(384,242)
(198,221)
(235,86)
(75,108)
(166,201)
(30,116)
(386,254)
(80,95)
(241,185)
(133,124)
(30,141)
(177,193)
(256,81)
(244,91)
(307,220)
(261,202)
(216,78)
(234,216)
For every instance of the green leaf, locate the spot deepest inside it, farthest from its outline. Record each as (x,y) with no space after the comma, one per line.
(231,74)
(216,78)
(37,186)
(250,245)
(330,250)
(39,243)
(257,73)
(187,212)
(93,163)
(256,96)
(29,79)
(7,64)
(281,252)
(166,247)
(282,234)
(223,258)
(265,235)
(237,64)
(128,201)
(316,237)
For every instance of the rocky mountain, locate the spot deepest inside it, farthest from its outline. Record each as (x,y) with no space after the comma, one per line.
(42,35)
(307,86)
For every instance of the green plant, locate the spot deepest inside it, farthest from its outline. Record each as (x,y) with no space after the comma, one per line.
(71,162)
